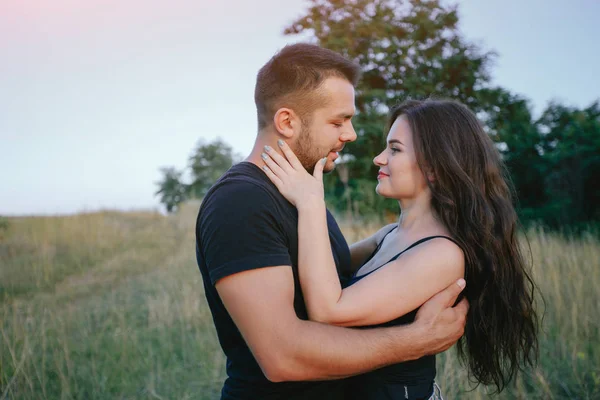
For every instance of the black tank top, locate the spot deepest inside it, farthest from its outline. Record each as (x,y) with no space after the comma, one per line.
(355,278)
(407,380)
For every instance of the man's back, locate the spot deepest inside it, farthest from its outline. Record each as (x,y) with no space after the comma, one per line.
(244,223)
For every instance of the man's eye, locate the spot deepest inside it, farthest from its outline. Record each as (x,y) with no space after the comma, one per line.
(337,125)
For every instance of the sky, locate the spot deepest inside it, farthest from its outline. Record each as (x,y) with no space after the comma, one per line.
(97,95)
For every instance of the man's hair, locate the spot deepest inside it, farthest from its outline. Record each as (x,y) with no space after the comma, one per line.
(293,75)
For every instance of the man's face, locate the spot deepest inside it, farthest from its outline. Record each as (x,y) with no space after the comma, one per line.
(330,126)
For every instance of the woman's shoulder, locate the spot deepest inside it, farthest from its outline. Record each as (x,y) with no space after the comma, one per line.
(438,250)
(444,246)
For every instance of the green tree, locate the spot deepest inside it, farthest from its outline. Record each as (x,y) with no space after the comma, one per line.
(171,190)
(407,49)
(207,163)
(510,124)
(571,148)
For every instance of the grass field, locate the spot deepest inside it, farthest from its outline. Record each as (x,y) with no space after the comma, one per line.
(110,306)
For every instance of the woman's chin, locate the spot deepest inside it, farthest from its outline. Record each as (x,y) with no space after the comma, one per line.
(382,193)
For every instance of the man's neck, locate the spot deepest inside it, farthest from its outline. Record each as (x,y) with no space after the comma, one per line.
(262,140)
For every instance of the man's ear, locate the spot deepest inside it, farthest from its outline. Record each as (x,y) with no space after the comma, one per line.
(287,122)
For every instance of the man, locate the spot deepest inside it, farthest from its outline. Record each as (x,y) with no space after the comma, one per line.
(247,250)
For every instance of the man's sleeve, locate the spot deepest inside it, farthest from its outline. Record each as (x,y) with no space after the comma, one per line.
(240,230)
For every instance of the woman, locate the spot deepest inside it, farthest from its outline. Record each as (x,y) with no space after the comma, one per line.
(457,219)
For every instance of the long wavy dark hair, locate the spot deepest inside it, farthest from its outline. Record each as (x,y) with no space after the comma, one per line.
(473,198)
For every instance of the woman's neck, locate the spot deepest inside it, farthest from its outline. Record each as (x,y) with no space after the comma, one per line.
(417,216)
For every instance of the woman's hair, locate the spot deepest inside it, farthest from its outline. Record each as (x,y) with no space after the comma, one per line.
(471,196)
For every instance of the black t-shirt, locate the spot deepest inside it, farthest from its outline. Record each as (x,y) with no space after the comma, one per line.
(245,223)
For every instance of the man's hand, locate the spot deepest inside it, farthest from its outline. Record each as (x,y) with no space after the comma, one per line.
(442,325)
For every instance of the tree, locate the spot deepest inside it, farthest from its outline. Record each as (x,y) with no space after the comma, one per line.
(407,49)
(171,190)
(207,163)
(571,147)
(509,122)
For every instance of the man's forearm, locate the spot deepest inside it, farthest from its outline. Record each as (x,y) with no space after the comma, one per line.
(322,352)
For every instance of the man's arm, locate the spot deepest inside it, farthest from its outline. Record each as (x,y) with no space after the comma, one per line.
(260,301)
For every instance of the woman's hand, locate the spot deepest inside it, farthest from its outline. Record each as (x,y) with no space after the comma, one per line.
(289,176)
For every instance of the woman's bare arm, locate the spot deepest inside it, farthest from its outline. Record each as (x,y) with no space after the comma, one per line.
(392,291)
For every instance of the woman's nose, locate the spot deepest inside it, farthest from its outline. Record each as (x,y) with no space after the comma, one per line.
(379,159)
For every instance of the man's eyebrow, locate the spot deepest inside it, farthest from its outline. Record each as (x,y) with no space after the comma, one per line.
(344,115)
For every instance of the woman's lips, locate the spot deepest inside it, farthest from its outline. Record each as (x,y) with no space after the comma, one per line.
(381,175)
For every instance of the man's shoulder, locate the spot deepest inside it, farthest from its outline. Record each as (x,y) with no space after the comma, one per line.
(243,194)
(239,182)
(240,187)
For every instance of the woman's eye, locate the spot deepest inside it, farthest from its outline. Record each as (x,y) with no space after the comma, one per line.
(394,150)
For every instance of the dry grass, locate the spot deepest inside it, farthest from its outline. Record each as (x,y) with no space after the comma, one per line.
(111,305)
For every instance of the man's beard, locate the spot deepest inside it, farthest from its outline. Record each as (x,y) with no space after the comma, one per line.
(305,150)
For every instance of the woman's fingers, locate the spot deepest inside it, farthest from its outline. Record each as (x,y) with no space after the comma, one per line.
(290,155)
(318,171)
(273,166)
(279,159)
(274,178)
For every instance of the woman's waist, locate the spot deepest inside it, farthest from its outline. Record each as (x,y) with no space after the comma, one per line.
(414,372)
(413,380)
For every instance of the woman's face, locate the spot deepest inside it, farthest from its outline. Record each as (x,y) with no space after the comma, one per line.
(399,174)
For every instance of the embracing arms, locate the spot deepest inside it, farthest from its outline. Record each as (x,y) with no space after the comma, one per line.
(287,348)
(255,283)
(394,290)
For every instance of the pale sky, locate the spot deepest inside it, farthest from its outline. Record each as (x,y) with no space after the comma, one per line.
(97,95)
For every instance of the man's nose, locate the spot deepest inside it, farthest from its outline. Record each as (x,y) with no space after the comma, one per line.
(349,134)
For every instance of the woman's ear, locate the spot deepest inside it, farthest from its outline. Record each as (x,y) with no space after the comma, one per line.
(286,122)
(430,175)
